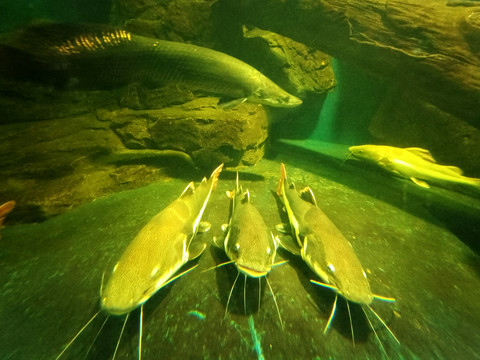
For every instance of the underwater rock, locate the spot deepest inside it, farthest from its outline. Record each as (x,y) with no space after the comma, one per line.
(208,134)
(404,120)
(431,47)
(303,69)
(305,72)
(33,102)
(178,20)
(51,166)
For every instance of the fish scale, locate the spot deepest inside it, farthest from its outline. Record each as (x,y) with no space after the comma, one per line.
(105,57)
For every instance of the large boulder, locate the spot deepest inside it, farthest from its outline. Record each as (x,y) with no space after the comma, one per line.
(50,166)
(207,133)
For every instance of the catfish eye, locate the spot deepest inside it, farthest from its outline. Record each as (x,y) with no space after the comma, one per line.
(236,248)
(269,251)
(331,268)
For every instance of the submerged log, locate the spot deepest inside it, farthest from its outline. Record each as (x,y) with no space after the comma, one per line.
(432,47)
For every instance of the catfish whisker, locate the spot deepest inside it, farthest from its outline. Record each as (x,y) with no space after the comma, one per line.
(280,263)
(179,275)
(96,336)
(276,304)
(219,265)
(328,286)
(373,329)
(245,295)
(384,324)
(383,298)
(77,334)
(332,313)
(230,295)
(259,292)
(140,333)
(120,337)
(351,324)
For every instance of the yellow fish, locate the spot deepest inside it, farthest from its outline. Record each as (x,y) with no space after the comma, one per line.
(413,163)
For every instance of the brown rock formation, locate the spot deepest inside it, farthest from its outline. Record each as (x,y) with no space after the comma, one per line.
(431,47)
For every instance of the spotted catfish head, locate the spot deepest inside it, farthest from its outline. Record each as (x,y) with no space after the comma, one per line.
(247,242)
(253,254)
(339,268)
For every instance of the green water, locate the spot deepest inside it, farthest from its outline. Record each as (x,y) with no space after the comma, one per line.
(51,275)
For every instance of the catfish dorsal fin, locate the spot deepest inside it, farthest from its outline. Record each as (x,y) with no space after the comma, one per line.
(308,196)
(189,190)
(455,169)
(422,153)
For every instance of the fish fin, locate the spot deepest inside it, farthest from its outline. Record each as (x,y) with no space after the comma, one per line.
(284,228)
(189,190)
(5,209)
(275,240)
(230,194)
(283,179)
(288,243)
(454,169)
(246,197)
(420,183)
(218,241)
(423,153)
(204,226)
(308,196)
(475,182)
(231,104)
(196,249)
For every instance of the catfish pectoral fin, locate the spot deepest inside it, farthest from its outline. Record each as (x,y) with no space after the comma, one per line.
(420,183)
(288,243)
(283,228)
(218,241)
(308,196)
(195,250)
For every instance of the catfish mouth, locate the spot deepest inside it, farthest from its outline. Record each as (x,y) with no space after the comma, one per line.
(251,272)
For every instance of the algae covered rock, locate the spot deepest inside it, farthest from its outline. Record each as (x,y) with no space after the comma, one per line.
(305,70)
(50,166)
(208,134)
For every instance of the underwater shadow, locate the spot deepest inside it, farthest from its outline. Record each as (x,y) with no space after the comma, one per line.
(322,298)
(458,212)
(249,287)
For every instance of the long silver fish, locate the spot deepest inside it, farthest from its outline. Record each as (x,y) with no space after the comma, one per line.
(416,164)
(105,56)
(155,255)
(325,250)
(248,243)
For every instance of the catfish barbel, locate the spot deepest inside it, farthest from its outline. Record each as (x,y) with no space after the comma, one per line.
(103,56)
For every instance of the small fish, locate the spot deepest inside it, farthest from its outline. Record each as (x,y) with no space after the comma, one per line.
(155,255)
(248,243)
(103,56)
(5,210)
(415,164)
(325,250)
